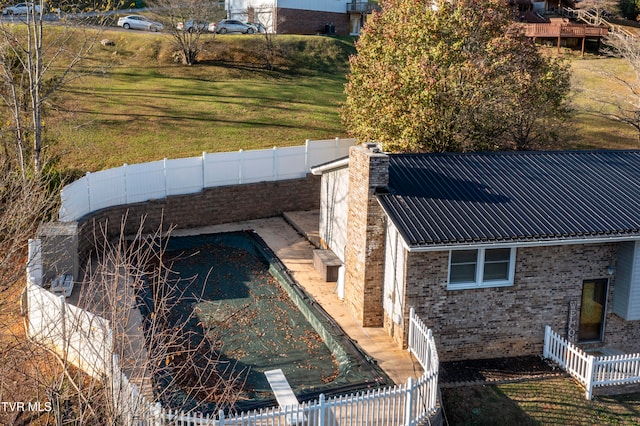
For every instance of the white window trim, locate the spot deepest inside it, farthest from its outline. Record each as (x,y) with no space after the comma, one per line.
(479,282)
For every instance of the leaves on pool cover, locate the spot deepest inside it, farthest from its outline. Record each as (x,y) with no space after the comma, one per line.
(248,318)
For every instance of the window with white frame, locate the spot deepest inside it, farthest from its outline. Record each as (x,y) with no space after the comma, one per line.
(490,267)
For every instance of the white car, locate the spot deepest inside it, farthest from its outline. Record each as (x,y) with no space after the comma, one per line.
(193,26)
(137,22)
(21,9)
(232,26)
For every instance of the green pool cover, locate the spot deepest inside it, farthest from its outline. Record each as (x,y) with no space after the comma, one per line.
(259,319)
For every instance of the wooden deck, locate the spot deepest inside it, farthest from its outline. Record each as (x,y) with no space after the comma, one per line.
(560,30)
(568,30)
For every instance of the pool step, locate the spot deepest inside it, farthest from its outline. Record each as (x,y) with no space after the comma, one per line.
(307,223)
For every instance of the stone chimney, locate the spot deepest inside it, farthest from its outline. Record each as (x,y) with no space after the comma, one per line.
(365,251)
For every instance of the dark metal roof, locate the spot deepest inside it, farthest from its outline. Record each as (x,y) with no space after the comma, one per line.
(451,199)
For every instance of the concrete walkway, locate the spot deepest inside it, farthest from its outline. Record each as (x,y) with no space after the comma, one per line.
(296,252)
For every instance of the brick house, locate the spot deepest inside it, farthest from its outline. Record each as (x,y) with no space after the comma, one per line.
(489,248)
(340,17)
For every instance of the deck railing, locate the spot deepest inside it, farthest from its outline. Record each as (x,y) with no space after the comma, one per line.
(596,20)
(562,30)
(591,371)
(362,7)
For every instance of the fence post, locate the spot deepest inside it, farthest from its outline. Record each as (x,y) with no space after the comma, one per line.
(589,376)
(427,350)
(411,325)
(204,170)
(321,408)
(126,181)
(547,337)
(63,318)
(221,418)
(307,161)
(274,163)
(240,163)
(88,192)
(164,174)
(408,403)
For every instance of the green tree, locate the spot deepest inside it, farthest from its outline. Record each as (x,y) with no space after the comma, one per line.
(630,9)
(435,77)
(529,90)
(186,21)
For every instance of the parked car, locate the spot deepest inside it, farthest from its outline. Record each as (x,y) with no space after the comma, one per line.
(193,25)
(21,9)
(232,26)
(258,26)
(137,22)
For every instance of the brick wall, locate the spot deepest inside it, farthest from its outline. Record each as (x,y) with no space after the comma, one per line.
(212,206)
(622,334)
(364,254)
(509,321)
(296,21)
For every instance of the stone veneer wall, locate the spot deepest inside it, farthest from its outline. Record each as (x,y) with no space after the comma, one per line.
(364,254)
(510,321)
(213,206)
(297,21)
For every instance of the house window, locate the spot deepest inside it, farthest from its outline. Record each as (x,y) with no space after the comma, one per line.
(481,268)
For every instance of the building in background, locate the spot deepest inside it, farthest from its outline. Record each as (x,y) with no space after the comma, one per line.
(330,17)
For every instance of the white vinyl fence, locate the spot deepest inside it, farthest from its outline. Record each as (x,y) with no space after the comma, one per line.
(147,181)
(86,341)
(591,371)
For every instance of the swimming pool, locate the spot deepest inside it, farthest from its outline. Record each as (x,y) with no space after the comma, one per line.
(236,291)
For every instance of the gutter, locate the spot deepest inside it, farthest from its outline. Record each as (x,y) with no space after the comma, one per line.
(506,244)
(320,169)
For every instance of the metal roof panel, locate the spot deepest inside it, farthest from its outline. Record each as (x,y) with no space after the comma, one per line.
(437,199)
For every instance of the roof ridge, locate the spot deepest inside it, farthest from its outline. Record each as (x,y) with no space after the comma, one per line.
(511,153)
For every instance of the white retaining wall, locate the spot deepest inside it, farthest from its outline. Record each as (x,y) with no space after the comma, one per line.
(147,181)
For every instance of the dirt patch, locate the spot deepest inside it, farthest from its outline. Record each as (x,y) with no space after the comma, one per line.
(496,370)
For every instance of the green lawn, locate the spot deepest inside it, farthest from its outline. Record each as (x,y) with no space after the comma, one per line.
(556,401)
(593,82)
(142,109)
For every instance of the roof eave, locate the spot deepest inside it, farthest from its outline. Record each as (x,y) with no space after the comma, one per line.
(326,167)
(536,243)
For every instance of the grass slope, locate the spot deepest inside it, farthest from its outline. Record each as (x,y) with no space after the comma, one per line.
(144,107)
